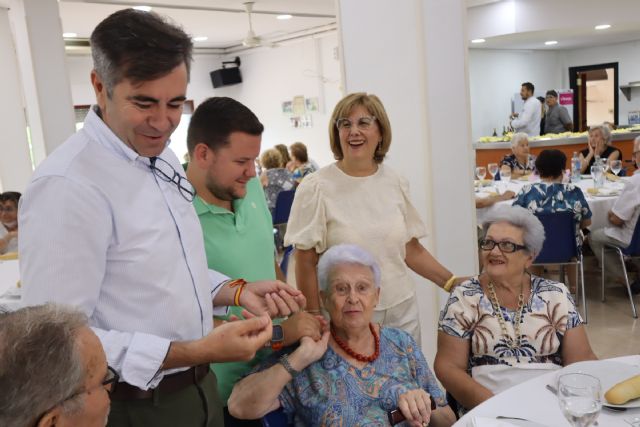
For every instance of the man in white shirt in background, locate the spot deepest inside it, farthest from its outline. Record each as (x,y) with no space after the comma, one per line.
(623,218)
(107,225)
(528,121)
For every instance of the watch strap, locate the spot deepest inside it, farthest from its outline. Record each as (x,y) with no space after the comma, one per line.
(284,361)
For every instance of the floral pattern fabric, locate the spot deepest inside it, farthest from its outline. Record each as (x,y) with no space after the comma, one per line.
(303,170)
(556,197)
(331,392)
(279,179)
(512,161)
(548,314)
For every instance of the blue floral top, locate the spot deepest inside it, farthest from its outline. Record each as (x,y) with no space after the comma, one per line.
(331,392)
(512,161)
(556,197)
(547,315)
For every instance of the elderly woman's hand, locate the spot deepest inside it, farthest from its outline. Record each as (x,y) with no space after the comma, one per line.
(309,351)
(415,405)
(303,324)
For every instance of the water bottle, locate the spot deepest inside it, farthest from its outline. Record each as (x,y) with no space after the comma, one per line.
(575,167)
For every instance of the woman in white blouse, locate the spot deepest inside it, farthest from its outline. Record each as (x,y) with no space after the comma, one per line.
(360,200)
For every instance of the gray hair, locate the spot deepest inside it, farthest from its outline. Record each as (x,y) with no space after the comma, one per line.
(521,218)
(636,144)
(517,137)
(606,131)
(40,362)
(345,254)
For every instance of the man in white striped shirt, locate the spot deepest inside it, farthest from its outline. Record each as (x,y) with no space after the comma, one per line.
(107,225)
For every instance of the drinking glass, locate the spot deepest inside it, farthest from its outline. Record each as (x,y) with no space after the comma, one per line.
(597,174)
(616,166)
(493,169)
(481,172)
(580,399)
(505,175)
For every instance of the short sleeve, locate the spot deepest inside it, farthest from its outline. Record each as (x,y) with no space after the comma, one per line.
(307,226)
(629,200)
(459,314)
(573,316)
(585,211)
(521,198)
(415,226)
(565,119)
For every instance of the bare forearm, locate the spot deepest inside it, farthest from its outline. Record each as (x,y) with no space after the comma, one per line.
(184,354)
(307,277)
(422,262)
(257,394)
(468,392)
(442,417)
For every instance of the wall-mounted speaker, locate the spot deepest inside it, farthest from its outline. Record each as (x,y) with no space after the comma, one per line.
(226,77)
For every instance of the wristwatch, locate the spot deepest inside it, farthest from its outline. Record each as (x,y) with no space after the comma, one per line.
(284,361)
(277,338)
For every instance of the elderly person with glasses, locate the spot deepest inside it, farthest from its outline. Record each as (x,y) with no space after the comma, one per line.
(520,162)
(357,372)
(53,370)
(599,145)
(507,325)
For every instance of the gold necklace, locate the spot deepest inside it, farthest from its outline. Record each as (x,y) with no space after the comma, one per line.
(511,343)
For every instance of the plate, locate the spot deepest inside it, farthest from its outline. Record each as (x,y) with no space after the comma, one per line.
(607,194)
(609,373)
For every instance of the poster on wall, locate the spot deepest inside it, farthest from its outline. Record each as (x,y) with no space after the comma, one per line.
(299,107)
(312,104)
(287,107)
(565,98)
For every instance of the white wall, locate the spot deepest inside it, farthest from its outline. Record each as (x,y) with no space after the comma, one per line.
(270,76)
(495,75)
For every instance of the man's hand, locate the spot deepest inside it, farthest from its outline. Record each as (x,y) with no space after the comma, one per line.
(237,340)
(514,115)
(415,405)
(273,297)
(508,195)
(303,324)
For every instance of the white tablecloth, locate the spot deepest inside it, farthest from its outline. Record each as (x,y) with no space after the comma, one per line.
(9,276)
(532,401)
(599,206)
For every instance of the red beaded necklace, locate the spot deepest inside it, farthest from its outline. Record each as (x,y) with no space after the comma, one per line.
(360,357)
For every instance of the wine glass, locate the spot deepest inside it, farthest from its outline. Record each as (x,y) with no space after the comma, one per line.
(580,399)
(505,175)
(493,169)
(597,173)
(481,172)
(616,166)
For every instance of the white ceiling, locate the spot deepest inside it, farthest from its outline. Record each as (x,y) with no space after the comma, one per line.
(225,23)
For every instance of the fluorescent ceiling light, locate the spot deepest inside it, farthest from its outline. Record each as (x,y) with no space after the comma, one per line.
(69,35)
(551,42)
(200,38)
(283,17)
(478,41)
(143,8)
(602,26)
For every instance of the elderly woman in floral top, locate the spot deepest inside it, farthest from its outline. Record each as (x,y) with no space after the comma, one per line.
(519,161)
(506,325)
(357,372)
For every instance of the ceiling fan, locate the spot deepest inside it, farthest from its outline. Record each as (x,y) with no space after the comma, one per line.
(251,40)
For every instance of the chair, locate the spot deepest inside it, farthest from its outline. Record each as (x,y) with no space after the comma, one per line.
(631,251)
(275,418)
(284,264)
(281,215)
(560,247)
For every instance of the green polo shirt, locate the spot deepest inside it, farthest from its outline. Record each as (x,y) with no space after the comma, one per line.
(239,244)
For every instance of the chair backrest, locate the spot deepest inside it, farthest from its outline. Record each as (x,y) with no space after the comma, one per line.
(634,247)
(275,418)
(283,207)
(560,238)
(284,265)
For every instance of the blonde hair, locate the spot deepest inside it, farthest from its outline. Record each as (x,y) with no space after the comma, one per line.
(271,159)
(374,106)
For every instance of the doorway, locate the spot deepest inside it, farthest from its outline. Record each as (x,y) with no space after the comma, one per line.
(596,91)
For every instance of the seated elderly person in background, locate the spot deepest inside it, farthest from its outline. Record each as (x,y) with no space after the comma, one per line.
(300,163)
(53,370)
(551,195)
(9,219)
(599,144)
(519,161)
(356,373)
(506,325)
(275,177)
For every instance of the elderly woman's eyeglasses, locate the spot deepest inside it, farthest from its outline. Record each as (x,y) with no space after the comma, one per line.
(504,246)
(343,289)
(363,123)
(163,170)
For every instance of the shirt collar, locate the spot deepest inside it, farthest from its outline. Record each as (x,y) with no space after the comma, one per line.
(203,207)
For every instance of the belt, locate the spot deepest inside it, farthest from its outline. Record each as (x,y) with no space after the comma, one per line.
(169,384)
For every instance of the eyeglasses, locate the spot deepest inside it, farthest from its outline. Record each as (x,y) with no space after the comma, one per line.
(109,384)
(163,170)
(343,289)
(363,123)
(504,246)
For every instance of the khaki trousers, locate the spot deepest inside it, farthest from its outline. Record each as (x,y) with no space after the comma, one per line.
(403,316)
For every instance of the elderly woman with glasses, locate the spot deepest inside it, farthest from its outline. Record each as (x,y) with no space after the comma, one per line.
(360,200)
(9,221)
(507,325)
(599,144)
(357,372)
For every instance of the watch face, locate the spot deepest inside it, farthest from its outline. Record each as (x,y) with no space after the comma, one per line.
(278,333)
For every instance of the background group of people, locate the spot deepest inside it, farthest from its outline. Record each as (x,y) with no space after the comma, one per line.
(540,116)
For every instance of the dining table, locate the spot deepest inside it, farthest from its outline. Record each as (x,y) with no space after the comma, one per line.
(599,203)
(534,403)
